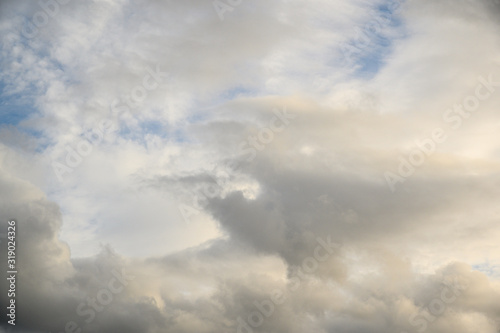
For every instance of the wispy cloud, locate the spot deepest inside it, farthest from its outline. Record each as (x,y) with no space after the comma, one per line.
(215,152)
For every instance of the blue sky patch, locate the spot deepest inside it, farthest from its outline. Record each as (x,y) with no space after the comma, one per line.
(14,108)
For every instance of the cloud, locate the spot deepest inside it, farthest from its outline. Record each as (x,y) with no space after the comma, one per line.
(169,171)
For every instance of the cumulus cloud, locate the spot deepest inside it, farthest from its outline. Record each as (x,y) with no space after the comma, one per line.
(237,166)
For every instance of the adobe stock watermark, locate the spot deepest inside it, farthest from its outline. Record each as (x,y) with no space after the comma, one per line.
(119,107)
(454,118)
(221,7)
(76,153)
(267,307)
(454,287)
(249,147)
(11,271)
(50,8)
(364,36)
(150,82)
(103,298)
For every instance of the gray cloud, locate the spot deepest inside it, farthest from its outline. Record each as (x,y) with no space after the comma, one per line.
(253,258)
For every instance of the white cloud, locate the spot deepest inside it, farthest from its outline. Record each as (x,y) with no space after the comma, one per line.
(197,140)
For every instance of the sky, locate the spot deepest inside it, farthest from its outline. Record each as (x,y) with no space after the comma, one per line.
(324,166)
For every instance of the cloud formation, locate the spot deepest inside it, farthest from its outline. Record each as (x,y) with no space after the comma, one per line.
(174,168)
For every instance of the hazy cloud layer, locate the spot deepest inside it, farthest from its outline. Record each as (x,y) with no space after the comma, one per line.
(251,166)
